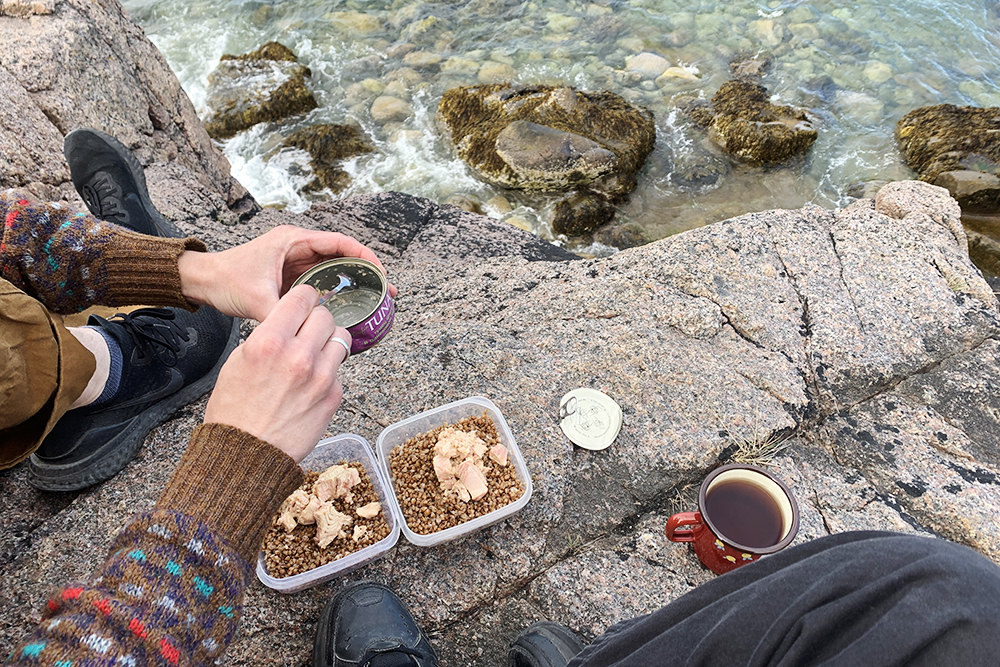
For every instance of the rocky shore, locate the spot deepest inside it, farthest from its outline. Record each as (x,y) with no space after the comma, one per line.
(864,338)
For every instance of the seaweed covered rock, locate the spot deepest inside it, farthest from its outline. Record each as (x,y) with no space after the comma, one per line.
(697,168)
(621,235)
(743,122)
(547,138)
(581,213)
(265,85)
(329,146)
(957,148)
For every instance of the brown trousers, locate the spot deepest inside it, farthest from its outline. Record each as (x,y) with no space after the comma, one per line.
(45,369)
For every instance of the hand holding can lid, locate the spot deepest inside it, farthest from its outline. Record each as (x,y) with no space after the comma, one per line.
(248,280)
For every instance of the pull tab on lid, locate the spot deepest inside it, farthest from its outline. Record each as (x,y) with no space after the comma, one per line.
(589,418)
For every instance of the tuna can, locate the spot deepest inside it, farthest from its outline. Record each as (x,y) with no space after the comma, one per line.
(356,293)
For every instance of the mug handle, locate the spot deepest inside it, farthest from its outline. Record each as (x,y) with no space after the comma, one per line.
(682,519)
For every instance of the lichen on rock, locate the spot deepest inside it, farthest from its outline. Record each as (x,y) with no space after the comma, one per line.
(743,122)
(265,85)
(547,138)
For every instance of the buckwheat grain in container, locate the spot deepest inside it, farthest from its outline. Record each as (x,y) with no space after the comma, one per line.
(356,292)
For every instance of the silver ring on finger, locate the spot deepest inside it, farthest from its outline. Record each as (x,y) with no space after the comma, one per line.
(347,347)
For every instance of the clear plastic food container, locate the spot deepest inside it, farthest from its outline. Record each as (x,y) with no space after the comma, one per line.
(398,433)
(331,451)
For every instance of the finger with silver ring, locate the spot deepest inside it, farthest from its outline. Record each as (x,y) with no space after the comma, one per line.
(347,346)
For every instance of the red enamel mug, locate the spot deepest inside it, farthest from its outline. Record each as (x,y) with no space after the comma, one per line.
(744,512)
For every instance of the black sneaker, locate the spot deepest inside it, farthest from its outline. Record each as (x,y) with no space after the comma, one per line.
(544,644)
(366,625)
(170,357)
(112,183)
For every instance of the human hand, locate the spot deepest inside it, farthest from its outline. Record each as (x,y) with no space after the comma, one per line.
(248,280)
(281,385)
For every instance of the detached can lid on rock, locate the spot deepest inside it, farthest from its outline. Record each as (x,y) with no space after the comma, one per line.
(590,418)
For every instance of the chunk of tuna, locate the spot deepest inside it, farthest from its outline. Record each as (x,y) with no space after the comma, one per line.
(291,508)
(336,482)
(459,491)
(330,525)
(499,455)
(369,511)
(473,479)
(359,533)
(308,516)
(445,446)
(457,444)
(443,468)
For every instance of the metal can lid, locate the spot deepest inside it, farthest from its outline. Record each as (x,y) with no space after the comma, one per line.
(352,289)
(590,418)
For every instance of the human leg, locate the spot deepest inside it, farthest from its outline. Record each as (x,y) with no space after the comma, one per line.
(45,369)
(97,346)
(166,358)
(848,599)
(155,362)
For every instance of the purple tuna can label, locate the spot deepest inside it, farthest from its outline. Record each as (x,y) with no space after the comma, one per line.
(356,293)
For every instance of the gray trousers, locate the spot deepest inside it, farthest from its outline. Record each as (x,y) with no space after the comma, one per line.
(869,599)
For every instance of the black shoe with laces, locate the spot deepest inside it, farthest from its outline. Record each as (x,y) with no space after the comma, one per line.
(544,644)
(366,625)
(112,183)
(170,357)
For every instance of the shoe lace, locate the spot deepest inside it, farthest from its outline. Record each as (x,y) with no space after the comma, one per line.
(104,198)
(154,332)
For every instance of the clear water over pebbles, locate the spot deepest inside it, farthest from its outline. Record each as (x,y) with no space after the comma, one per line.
(858,69)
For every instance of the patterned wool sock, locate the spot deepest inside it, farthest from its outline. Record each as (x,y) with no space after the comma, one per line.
(115,373)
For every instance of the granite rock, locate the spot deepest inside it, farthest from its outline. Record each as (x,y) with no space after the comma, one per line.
(864,337)
(49,87)
(868,338)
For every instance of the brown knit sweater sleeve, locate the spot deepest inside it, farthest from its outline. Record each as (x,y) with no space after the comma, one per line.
(233,483)
(70,261)
(171,590)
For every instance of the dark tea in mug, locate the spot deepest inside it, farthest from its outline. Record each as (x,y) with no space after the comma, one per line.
(744,513)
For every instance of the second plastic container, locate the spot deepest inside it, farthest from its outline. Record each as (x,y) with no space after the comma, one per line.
(398,433)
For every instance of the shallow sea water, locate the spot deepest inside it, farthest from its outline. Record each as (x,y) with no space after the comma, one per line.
(857,69)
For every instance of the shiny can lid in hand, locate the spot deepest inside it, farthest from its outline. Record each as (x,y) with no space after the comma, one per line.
(356,292)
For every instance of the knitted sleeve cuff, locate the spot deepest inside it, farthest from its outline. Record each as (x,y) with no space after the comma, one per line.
(233,482)
(142,270)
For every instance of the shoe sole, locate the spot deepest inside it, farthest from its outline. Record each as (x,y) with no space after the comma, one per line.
(117,452)
(545,644)
(166,228)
